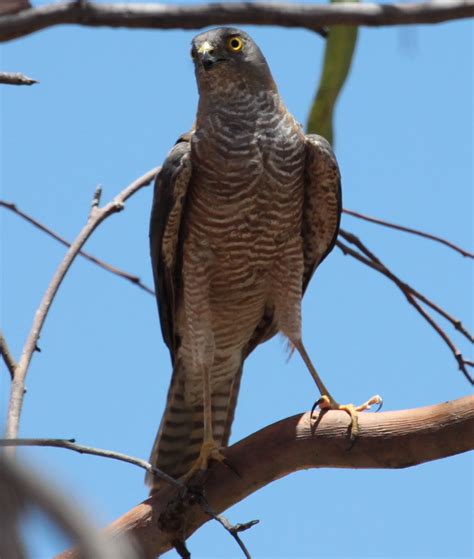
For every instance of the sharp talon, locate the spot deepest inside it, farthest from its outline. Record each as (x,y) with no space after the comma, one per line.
(323,400)
(209,451)
(380,406)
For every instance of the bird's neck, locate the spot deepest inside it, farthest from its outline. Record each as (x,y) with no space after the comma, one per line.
(236,103)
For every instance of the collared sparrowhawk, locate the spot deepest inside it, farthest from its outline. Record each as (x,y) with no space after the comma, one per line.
(245,208)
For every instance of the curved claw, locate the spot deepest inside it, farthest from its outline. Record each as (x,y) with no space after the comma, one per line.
(323,400)
(315,405)
(379,406)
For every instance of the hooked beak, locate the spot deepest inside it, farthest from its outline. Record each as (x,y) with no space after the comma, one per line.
(207,56)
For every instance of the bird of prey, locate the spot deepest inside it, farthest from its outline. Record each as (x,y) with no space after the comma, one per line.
(245,208)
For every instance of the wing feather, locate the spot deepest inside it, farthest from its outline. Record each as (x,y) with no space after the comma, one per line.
(322,204)
(166,236)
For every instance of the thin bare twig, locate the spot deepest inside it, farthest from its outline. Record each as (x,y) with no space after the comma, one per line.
(7,356)
(18,384)
(410,294)
(70,444)
(114,270)
(182,16)
(15,78)
(457,324)
(233,530)
(398,227)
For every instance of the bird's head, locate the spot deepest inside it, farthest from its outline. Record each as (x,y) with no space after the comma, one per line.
(227,57)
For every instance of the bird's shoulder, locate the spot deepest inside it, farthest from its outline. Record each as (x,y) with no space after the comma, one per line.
(322,204)
(166,223)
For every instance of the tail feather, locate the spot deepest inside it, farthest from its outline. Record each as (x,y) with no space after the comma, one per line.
(180,436)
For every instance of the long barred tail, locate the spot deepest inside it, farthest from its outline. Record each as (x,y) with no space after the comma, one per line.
(180,435)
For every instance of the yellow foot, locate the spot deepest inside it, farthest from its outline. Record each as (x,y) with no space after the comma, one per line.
(327,403)
(209,451)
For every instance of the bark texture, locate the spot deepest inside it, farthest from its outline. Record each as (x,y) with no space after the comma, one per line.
(387,440)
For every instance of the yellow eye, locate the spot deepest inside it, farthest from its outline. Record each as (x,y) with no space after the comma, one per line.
(235,44)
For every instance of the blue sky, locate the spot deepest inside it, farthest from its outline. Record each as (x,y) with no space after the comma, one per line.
(109,106)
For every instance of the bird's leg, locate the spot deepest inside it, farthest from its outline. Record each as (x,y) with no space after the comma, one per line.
(197,264)
(210,450)
(287,281)
(327,402)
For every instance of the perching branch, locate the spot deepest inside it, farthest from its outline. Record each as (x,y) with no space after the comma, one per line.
(112,269)
(369,259)
(14,78)
(96,217)
(386,440)
(183,16)
(398,227)
(7,356)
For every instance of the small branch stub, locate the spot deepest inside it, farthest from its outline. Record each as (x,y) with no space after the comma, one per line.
(15,78)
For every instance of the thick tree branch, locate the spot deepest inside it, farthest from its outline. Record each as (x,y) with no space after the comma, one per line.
(14,78)
(386,440)
(182,16)
(97,216)
(105,265)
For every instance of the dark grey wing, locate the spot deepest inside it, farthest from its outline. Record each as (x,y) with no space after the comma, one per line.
(166,236)
(322,204)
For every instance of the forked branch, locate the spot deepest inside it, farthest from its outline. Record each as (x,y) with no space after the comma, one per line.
(386,440)
(105,265)
(367,257)
(96,217)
